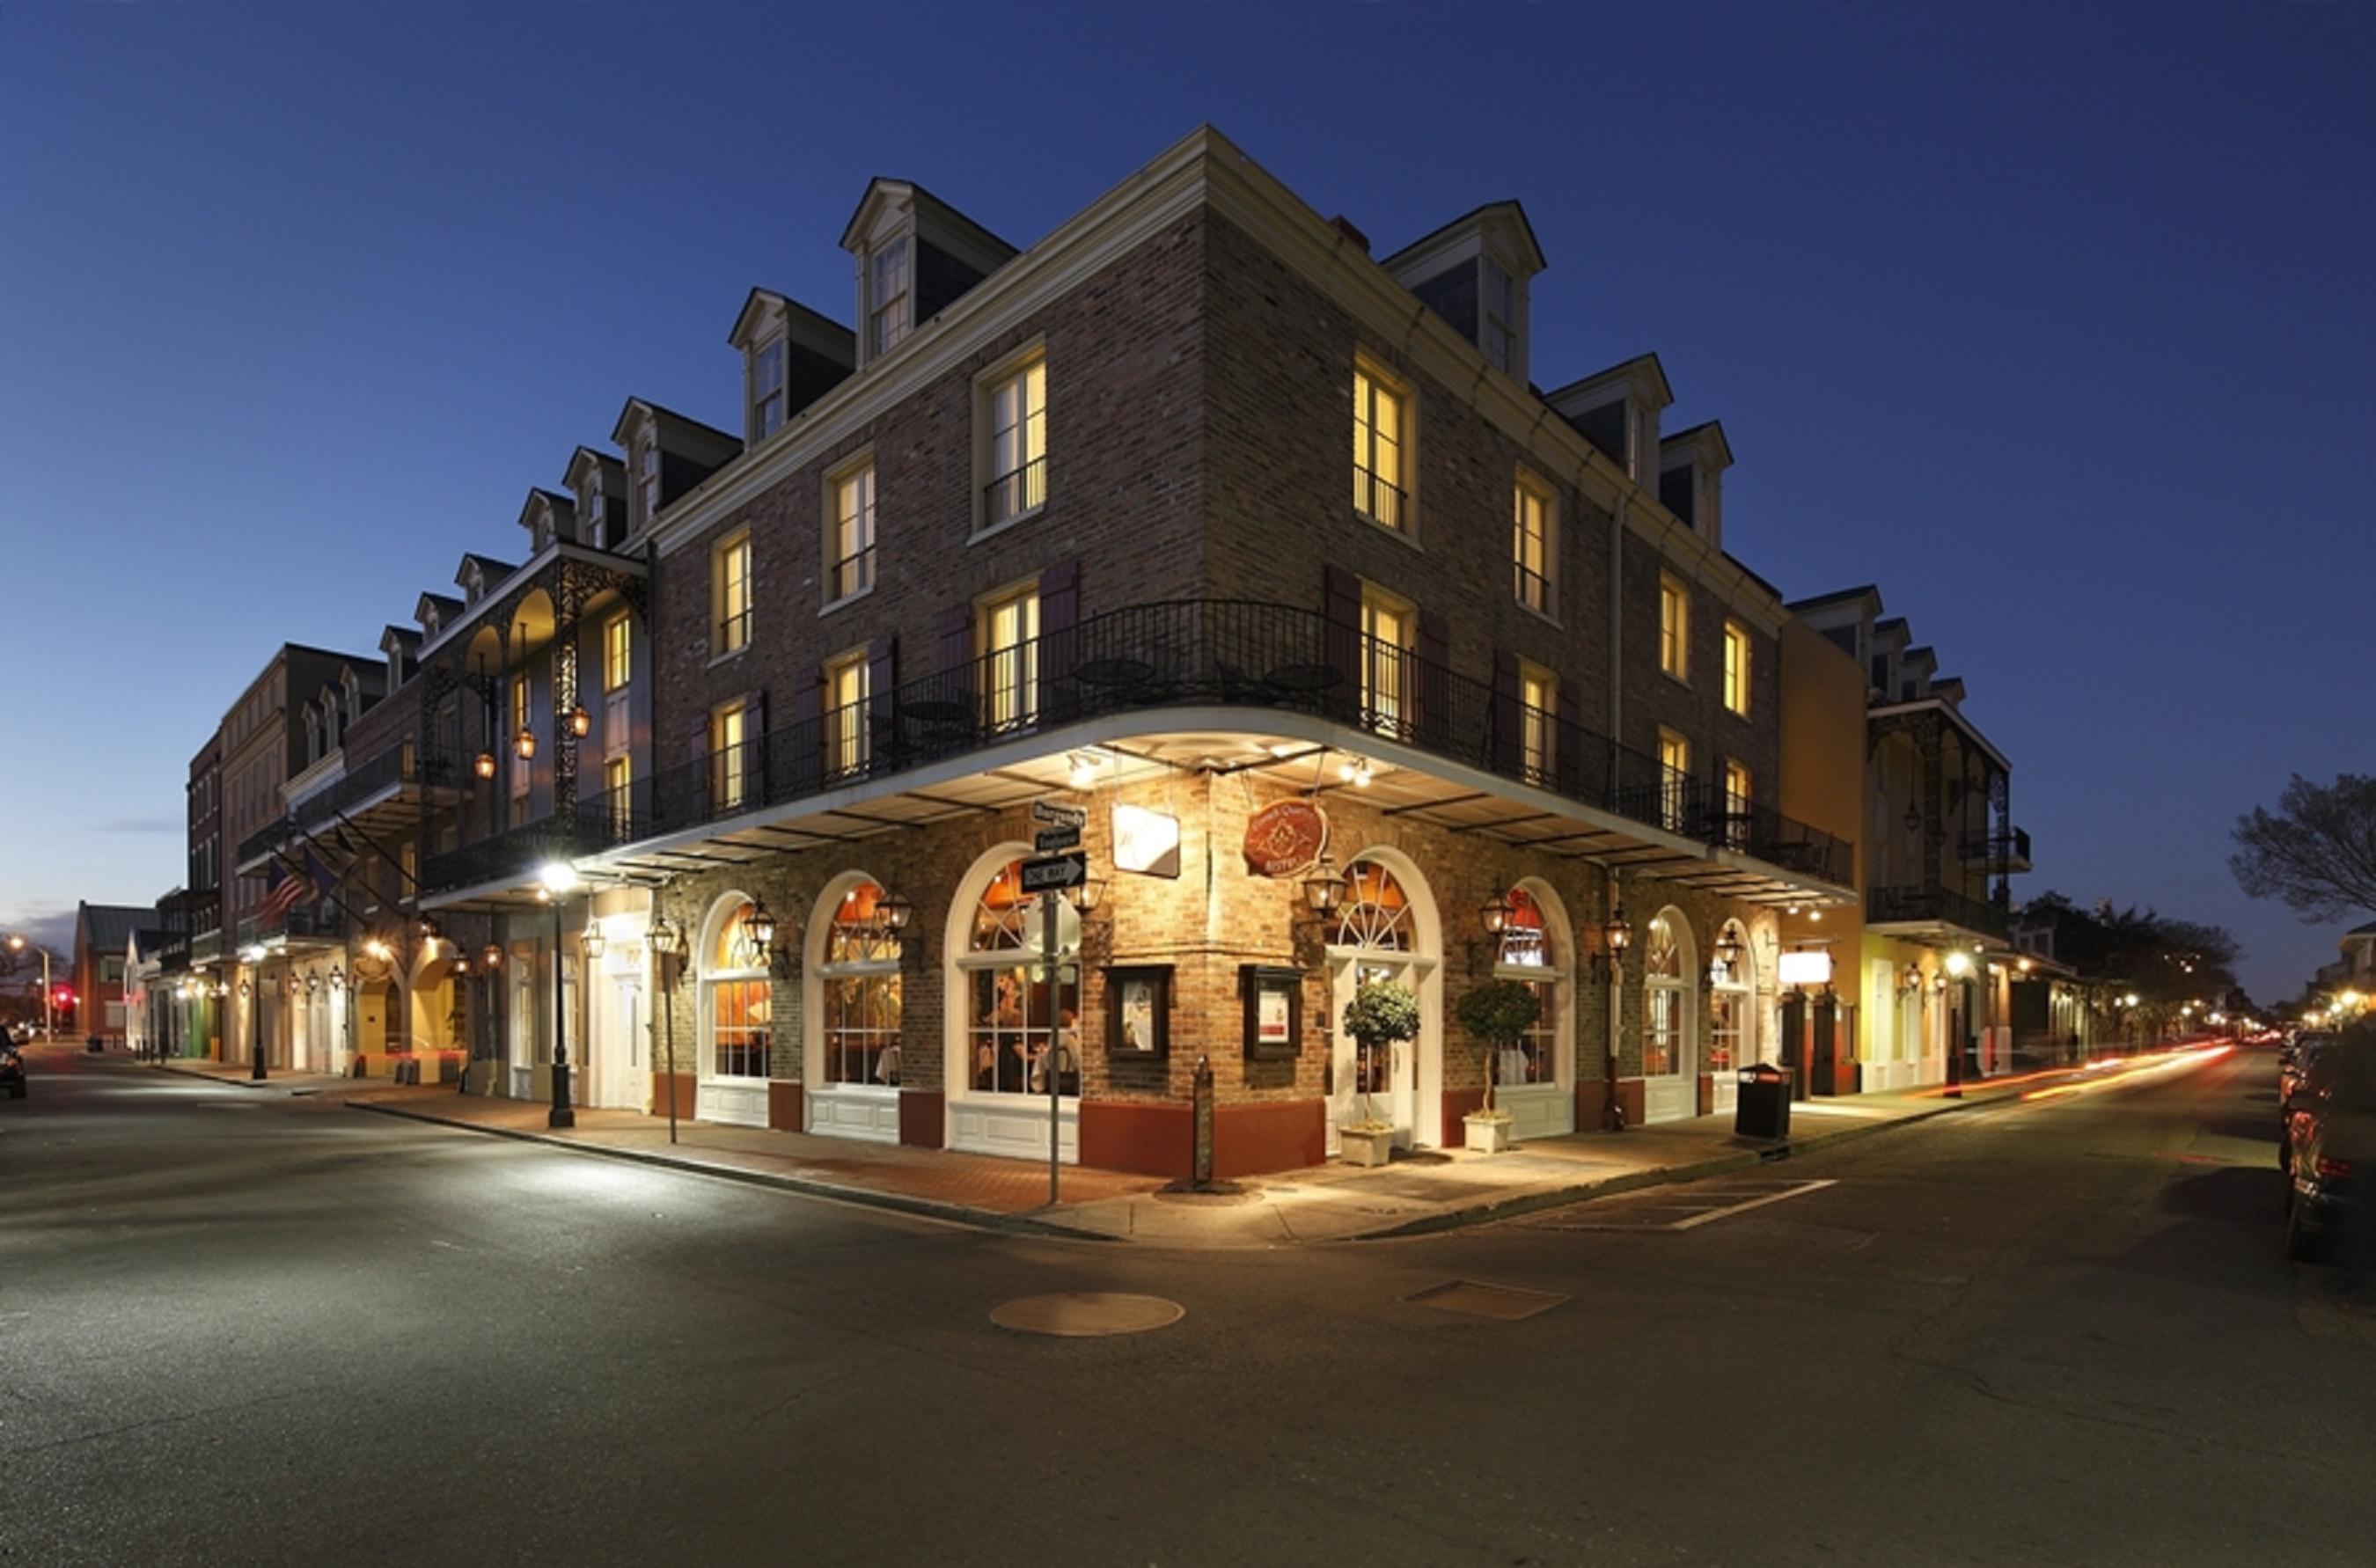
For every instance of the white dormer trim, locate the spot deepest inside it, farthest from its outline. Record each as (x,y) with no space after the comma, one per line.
(1705,451)
(1497,234)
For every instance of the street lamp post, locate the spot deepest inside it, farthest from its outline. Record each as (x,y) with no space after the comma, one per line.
(17,944)
(559,877)
(253,957)
(665,941)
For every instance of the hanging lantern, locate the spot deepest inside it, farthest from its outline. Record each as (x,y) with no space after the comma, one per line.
(491,956)
(484,764)
(591,939)
(1619,932)
(1323,890)
(1728,949)
(761,925)
(895,912)
(581,724)
(524,743)
(664,937)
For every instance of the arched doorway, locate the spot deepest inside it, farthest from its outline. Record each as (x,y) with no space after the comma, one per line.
(853,1003)
(737,1016)
(1733,1040)
(1536,1082)
(1000,1021)
(1671,1084)
(1387,929)
(436,1000)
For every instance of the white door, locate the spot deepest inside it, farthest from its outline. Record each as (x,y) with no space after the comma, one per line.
(617,1041)
(1730,1045)
(1389,1074)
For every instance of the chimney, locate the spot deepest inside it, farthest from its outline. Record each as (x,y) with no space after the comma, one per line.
(1344,226)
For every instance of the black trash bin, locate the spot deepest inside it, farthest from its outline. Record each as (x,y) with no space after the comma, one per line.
(1761,1107)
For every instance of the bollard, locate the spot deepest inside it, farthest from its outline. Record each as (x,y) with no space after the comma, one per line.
(1200,1152)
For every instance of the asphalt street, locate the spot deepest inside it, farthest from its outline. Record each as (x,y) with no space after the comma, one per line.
(236,1329)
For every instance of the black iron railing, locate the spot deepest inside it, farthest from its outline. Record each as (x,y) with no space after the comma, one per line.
(399,764)
(1377,498)
(1012,494)
(1181,654)
(2009,848)
(1943,906)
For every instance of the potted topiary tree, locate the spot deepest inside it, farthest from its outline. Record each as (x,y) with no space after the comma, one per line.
(1499,1013)
(1381,1015)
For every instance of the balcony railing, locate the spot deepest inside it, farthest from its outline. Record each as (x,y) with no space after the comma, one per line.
(1012,494)
(1180,654)
(1942,906)
(402,763)
(2008,851)
(516,852)
(301,921)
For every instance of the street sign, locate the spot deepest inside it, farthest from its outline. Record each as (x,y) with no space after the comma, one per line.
(1049,840)
(1055,873)
(1056,815)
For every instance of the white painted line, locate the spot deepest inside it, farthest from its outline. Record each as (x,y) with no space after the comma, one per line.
(1799,1191)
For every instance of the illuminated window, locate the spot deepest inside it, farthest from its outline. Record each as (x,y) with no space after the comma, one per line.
(737,1000)
(618,801)
(846,716)
(767,388)
(1388,624)
(1010,653)
(849,545)
(729,594)
(1537,722)
(1381,433)
(859,981)
(888,317)
(1674,628)
(728,764)
(1530,954)
(1736,668)
(1732,1021)
(618,651)
(1011,1019)
(1667,995)
(1017,421)
(1376,912)
(1531,546)
(1674,780)
(1737,796)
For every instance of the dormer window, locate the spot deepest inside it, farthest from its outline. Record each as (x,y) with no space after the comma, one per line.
(1498,330)
(888,317)
(767,388)
(647,472)
(598,533)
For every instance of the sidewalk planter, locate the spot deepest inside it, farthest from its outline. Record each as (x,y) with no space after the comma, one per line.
(1366,1144)
(1488,1130)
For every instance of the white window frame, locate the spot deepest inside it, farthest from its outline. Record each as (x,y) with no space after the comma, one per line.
(618,652)
(1023,460)
(730,616)
(759,394)
(1537,723)
(1674,628)
(1544,574)
(1373,387)
(885,333)
(847,713)
(729,732)
(1010,664)
(646,477)
(857,474)
(1388,655)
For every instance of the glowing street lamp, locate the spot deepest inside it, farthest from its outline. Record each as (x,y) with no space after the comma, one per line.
(558,878)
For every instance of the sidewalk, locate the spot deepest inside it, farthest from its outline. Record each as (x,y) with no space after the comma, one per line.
(280,1082)
(1426,1192)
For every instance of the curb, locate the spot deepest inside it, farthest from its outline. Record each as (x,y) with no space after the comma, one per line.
(1660,1176)
(867,1197)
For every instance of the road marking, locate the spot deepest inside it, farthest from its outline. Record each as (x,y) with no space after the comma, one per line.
(1704,1205)
(1504,1303)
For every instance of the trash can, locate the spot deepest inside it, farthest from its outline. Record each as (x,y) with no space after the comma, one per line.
(1761,1107)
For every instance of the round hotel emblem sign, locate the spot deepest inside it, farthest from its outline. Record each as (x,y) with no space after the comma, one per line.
(1285,839)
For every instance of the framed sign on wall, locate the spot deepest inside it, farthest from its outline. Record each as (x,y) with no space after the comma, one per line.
(1273,1003)
(1138,1011)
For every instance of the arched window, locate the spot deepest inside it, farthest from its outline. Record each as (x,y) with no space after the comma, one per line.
(1376,912)
(1530,955)
(1669,987)
(859,987)
(737,1001)
(1010,1017)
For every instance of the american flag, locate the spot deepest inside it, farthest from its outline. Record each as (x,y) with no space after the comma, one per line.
(285,894)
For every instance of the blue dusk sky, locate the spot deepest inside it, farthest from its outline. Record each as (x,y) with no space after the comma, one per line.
(2054,322)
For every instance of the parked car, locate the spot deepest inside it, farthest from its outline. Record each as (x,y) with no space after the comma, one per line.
(2330,1143)
(2293,1065)
(12,1068)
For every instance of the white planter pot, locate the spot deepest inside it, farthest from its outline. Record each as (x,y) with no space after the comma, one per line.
(1364,1148)
(1489,1132)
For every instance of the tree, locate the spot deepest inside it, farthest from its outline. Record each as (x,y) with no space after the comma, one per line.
(1381,1013)
(1499,1013)
(2316,852)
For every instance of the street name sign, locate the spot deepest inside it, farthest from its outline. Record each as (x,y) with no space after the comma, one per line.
(1055,873)
(1055,815)
(1049,840)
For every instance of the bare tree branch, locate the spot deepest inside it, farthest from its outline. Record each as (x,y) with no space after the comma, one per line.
(2316,852)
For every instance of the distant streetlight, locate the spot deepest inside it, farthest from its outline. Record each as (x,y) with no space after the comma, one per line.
(49,1022)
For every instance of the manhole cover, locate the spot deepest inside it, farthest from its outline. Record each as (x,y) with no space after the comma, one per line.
(1079,1314)
(1507,1302)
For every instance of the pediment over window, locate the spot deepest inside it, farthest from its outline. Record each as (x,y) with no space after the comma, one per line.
(916,256)
(668,455)
(548,515)
(1617,409)
(433,610)
(596,482)
(791,356)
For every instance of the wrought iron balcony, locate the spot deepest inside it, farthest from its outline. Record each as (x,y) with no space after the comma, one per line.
(1934,906)
(2006,851)
(301,922)
(399,763)
(1190,653)
(512,855)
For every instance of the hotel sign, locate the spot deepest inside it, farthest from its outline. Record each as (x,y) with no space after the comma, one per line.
(1286,839)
